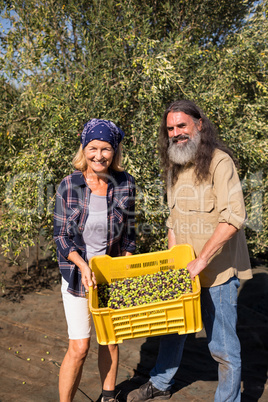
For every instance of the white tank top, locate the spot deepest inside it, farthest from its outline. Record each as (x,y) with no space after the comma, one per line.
(95,232)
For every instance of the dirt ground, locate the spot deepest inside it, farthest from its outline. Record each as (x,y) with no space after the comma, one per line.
(33,342)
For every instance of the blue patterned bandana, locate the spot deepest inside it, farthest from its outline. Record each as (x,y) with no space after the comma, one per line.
(102,130)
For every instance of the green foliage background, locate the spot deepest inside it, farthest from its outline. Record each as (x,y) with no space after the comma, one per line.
(65,62)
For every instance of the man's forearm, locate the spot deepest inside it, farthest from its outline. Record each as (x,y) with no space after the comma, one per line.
(223,232)
(221,235)
(171,238)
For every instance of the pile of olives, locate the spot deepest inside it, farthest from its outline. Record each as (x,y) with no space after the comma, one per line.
(146,289)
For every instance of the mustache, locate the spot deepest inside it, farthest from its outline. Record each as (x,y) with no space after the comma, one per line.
(180,137)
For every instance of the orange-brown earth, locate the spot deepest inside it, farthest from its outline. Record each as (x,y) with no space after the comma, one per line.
(33,342)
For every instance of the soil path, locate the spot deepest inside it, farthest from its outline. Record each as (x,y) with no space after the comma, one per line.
(33,343)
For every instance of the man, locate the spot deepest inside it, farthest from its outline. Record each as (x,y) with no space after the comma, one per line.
(207,211)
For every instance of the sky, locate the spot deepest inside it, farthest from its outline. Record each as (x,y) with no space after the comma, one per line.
(4,26)
(4,23)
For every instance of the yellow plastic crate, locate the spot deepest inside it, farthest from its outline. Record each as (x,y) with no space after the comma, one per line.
(181,315)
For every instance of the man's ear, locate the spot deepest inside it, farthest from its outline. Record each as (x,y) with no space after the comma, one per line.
(200,124)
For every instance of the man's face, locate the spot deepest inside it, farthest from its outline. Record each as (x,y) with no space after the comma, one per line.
(181,127)
(184,137)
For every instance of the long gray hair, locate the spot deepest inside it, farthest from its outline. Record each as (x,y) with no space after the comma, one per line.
(209,142)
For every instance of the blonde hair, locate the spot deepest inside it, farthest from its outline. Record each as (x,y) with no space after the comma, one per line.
(80,163)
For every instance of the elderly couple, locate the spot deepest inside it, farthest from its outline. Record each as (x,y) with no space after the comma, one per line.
(94,213)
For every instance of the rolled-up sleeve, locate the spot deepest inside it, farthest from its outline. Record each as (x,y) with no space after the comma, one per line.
(64,243)
(230,200)
(169,224)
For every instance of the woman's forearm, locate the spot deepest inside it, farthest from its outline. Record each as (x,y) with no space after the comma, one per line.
(78,260)
(88,277)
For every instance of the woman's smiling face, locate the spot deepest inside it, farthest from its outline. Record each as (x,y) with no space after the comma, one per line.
(99,156)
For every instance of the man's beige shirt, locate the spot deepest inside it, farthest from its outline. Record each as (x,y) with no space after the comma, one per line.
(196,210)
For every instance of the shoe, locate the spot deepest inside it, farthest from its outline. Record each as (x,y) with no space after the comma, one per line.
(147,392)
(108,399)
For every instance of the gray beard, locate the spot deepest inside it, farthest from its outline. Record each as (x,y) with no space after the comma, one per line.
(184,153)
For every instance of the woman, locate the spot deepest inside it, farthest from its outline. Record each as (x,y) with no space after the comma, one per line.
(94,215)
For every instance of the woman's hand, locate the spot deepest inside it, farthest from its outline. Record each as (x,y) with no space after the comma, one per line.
(88,277)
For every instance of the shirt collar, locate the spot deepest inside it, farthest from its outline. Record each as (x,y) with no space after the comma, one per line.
(78,177)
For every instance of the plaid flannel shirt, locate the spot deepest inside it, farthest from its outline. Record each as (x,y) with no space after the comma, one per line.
(70,215)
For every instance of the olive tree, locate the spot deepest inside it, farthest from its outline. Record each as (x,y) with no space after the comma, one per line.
(67,62)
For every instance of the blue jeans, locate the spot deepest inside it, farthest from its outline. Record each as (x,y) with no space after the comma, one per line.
(219,314)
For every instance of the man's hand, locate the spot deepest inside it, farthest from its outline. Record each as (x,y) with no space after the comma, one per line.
(196,266)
